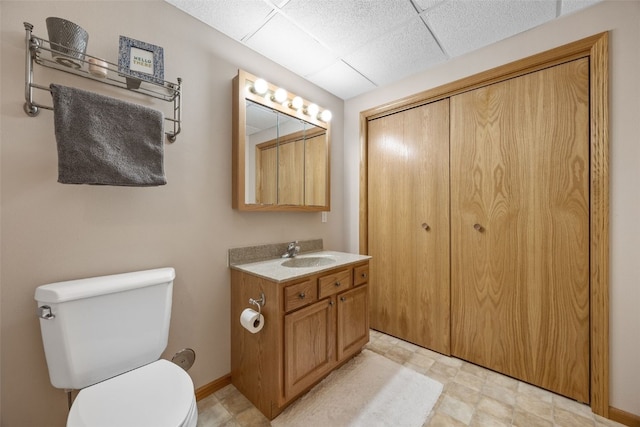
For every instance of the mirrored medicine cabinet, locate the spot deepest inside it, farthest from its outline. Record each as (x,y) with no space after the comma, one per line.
(280,149)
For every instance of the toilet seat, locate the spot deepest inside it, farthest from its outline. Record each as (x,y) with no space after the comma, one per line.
(159,394)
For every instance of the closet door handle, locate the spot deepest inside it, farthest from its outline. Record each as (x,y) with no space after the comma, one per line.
(478,227)
(426,226)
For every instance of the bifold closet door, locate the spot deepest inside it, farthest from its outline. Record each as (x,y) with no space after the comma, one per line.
(408,220)
(520,228)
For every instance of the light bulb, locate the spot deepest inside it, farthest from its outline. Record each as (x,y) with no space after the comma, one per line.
(325,116)
(280,95)
(260,86)
(312,110)
(296,103)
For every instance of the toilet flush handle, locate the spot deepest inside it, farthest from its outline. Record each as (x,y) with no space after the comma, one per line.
(44,312)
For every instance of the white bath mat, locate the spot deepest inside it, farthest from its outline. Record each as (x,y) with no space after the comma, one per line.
(370,390)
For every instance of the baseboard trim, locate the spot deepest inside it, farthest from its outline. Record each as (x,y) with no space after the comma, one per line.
(212,387)
(623,417)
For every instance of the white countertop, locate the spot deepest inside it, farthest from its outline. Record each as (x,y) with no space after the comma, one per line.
(274,270)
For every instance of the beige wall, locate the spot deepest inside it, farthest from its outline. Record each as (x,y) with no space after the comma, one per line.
(622,18)
(54,232)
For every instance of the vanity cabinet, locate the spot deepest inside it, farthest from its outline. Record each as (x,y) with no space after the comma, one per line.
(313,324)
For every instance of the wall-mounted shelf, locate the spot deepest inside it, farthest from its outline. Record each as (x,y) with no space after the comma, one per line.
(38,51)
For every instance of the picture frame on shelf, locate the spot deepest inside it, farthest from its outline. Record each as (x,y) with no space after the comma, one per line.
(140,61)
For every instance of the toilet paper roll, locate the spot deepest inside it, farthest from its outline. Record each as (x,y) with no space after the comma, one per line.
(251,320)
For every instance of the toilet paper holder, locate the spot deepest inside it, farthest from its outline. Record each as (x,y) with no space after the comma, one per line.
(260,302)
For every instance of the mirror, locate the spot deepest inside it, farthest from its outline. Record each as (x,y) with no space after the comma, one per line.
(280,154)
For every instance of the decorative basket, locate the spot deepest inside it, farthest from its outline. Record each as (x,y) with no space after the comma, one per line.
(68,42)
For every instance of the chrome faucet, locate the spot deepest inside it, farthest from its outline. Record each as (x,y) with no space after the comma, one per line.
(292,250)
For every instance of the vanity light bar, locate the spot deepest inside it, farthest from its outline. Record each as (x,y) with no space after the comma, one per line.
(281,96)
(260,87)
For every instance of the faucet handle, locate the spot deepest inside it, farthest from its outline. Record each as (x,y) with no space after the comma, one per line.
(292,250)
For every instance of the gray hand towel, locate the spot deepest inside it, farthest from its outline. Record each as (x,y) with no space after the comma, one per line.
(106,141)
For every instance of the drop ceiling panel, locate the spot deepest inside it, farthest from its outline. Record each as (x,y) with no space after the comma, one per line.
(344,26)
(341,80)
(289,46)
(570,6)
(349,47)
(397,54)
(463,26)
(427,4)
(234,18)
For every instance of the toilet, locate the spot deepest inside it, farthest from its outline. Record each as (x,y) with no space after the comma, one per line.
(104,336)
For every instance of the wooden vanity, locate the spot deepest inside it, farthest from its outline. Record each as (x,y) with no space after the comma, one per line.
(315,320)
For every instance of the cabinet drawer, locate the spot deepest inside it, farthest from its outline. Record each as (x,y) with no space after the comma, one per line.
(300,294)
(360,275)
(333,283)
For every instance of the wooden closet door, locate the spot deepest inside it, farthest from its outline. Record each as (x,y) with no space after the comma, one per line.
(408,232)
(520,227)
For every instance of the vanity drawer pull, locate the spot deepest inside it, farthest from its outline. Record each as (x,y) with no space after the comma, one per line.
(300,294)
(334,282)
(361,274)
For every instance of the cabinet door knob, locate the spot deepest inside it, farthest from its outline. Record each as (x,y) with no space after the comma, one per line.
(426,226)
(478,227)
(343,299)
(302,295)
(363,275)
(338,284)
(331,303)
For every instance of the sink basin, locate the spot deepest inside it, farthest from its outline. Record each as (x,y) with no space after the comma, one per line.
(309,261)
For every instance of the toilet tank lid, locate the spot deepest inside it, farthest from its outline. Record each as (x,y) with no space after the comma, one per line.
(94,286)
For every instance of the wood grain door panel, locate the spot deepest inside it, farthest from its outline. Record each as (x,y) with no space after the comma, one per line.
(409,224)
(309,340)
(520,277)
(353,321)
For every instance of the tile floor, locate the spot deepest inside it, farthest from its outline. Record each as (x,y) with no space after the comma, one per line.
(472,396)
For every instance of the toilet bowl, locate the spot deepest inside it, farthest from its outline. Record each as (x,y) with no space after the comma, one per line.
(104,336)
(159,394)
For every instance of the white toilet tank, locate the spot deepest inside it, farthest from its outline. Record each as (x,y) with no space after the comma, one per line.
(96,328)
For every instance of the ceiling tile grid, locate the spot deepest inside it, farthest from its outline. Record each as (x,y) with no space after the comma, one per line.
(423,5)
(464,26)
(235,18)
(407,50)
(349,47)
(345,26)
(288,45)
(340,78)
